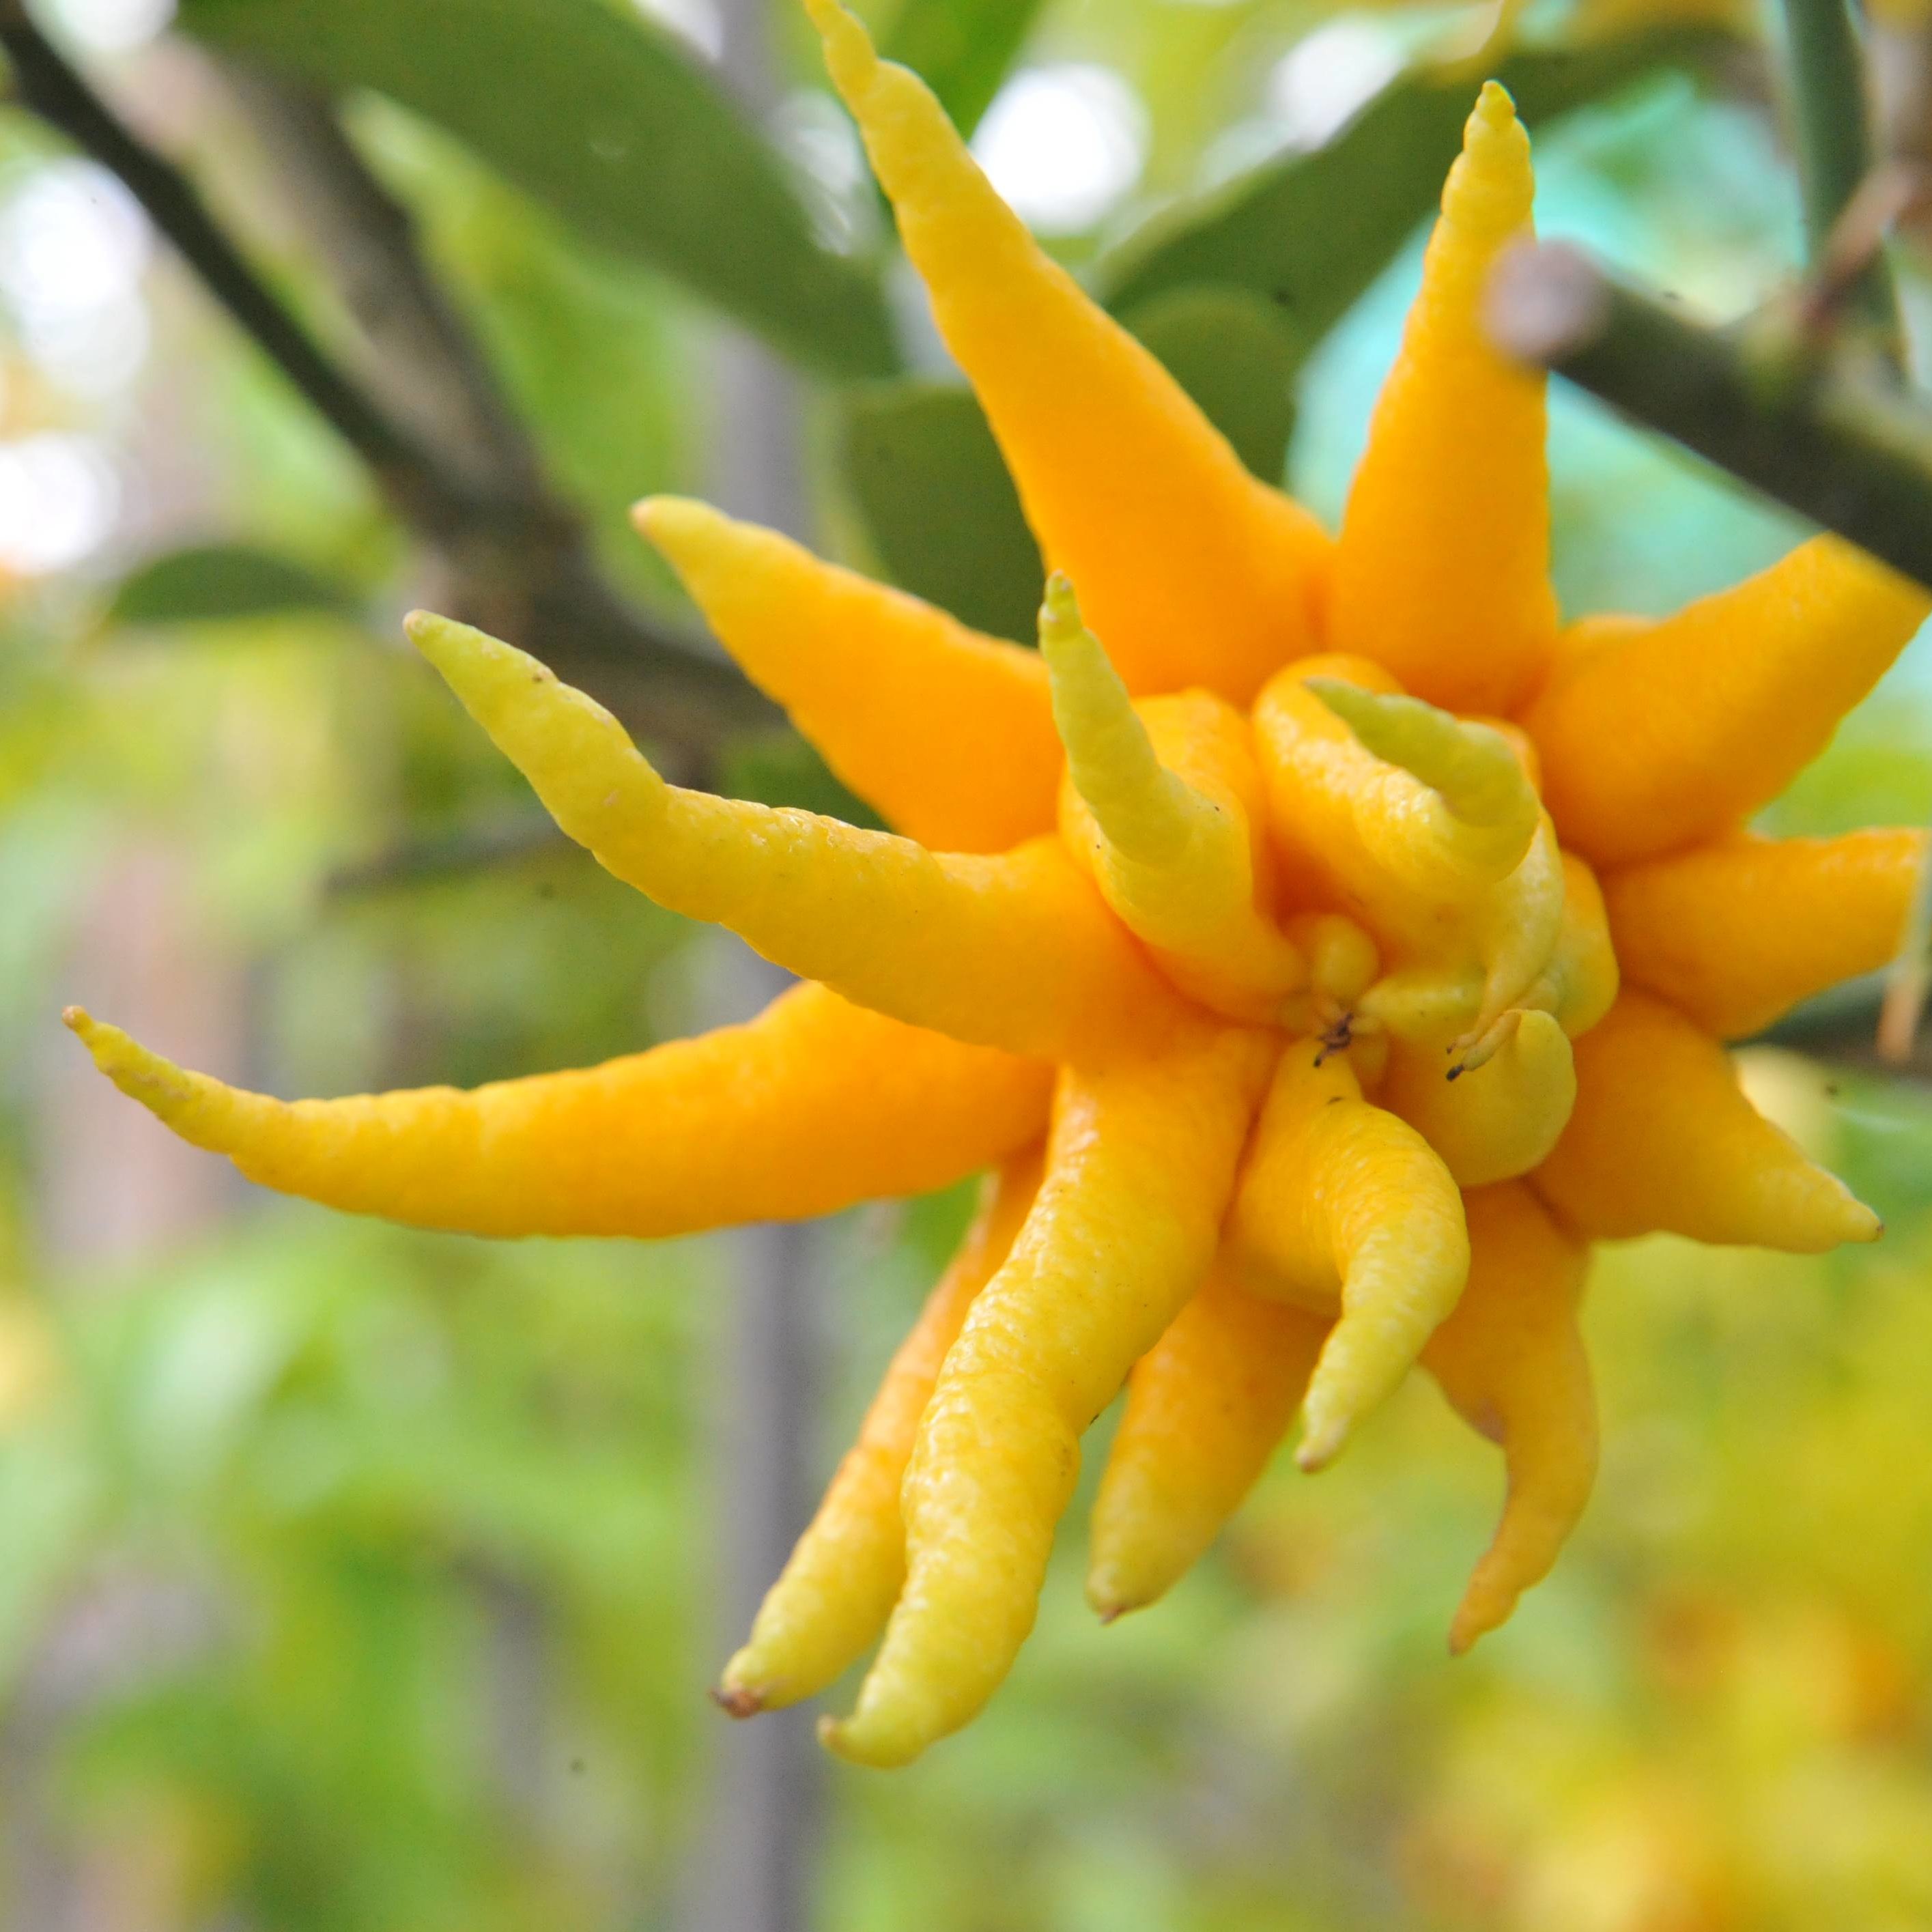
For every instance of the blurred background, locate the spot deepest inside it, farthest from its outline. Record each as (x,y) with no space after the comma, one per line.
(352,1578)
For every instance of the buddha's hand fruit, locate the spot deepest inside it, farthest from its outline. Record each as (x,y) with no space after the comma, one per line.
(1281,896)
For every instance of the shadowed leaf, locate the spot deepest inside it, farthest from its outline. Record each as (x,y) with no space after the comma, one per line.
(943,512)
(609,122)
(216,582)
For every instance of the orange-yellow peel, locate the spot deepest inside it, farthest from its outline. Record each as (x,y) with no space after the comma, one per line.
(1248,893)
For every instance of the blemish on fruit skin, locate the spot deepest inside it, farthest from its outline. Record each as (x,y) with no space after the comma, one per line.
(1098,973)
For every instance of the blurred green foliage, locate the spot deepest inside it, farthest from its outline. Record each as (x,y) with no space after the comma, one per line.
(358,1579)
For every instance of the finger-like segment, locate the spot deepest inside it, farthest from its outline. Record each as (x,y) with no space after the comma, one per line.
(1139,1167)
(1350,820)
(948,733)
(1511,1360)
(1578,984)
(1658,736)
(1193,571)
(1344,1207)
(1737,932)
(1015,951)
(1662,1140)
(1471,767)
(1205,1407)
(1442,571)
(1169,837)
(814,1105)
(1470,908)
(839,1586)
(1491,1122)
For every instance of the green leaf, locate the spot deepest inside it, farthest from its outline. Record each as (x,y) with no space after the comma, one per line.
(943,515)
(219,582)
(934,489)
(604,119)
(961,49)
(1230,353)
(1309,232)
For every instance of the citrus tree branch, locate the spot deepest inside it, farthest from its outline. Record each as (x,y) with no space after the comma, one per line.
(518,561)
(1827,440)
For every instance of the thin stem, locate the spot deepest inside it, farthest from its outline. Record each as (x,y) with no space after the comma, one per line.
(1831,109)
(1839,450)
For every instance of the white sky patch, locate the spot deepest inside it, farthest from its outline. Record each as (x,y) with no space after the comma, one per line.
(1063,144)
(1320,84)
(73,247)
(58,500)
(115,26)
(698,23)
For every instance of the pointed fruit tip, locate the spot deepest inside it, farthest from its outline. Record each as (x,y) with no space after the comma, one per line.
(1374,716)
(846,42)
(1494,104)
(1862,1223)
(1320,1447)
(438,638)
(1491,186)
(1060,619)
(1109,1602)
(663,519)
(835,1734)
(871,1738)
(737,1700)
(1492,128)
(1473,1622)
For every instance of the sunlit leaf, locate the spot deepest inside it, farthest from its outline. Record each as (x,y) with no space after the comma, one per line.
(606,121)
(214,582)
(1310,232)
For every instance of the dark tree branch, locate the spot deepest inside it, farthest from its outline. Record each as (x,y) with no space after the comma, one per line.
(1842,1026)
(1852,454)
(1831,111)
(465,480)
